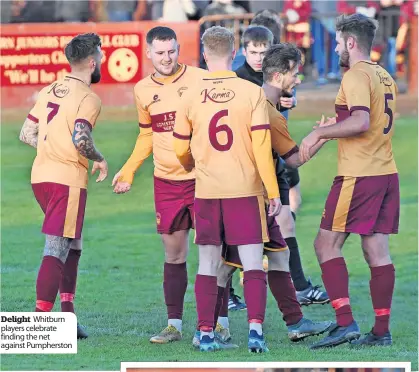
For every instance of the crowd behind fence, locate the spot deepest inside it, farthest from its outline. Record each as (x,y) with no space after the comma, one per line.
(308,23)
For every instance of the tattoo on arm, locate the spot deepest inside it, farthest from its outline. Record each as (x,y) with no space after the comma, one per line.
(82,139)
(29,133)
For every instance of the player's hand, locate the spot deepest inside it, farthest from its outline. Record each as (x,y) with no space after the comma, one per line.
(102,167)
(275,206)
(323,123)
(286,102)
(120,187)
(307,143)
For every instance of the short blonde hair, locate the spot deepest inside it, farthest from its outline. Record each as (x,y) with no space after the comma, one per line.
(218,41)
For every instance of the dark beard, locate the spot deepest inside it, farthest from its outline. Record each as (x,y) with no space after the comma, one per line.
(344,59)
(286,94)
(95,77)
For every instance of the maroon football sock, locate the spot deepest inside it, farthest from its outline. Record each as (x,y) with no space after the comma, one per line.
(381,287)
(174,286)
(47,283)
(226,297)
(69,280)
(206,299)
(336,281)
(219,305)
(255,292)
(283,290)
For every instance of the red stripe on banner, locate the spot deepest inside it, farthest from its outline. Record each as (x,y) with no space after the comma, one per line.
(338,303)
(67,297)
(381,312)
(44,305)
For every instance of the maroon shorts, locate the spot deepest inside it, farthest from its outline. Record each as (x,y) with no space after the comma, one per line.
(363,205)
(174,202)
(63,207)
(276,244)
(235,221)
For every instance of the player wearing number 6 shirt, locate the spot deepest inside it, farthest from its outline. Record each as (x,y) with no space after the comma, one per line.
(157,98)
(364,198)
(60,127)
(224,122)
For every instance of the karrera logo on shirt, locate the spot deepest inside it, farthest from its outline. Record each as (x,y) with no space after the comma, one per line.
(384,79)
(218,95)
(155,100)
(59,90)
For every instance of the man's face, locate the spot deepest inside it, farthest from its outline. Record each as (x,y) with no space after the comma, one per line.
(255,55)
(164,55)
(95,76)
(290,81)
(342,50)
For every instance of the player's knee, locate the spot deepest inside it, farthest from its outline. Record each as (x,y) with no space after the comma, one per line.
(57,246)
(279,261)
(287,224)
(224,273)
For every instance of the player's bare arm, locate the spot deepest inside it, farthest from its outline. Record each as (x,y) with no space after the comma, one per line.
(83,141)
(29,133)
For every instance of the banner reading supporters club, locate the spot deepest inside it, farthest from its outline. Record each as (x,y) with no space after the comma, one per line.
(32,59)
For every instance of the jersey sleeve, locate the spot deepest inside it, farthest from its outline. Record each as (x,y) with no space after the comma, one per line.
(36,111)
(357,89)
(144,119)
(182,133)
(143,146)
(262,147)
(281,139)
(89,110)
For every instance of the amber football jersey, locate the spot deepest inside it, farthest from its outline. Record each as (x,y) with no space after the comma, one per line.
(282,142)
(157,100)
(231,141)
(367,86)
(57,108)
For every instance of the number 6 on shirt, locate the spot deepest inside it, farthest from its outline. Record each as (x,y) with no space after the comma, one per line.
(213,130)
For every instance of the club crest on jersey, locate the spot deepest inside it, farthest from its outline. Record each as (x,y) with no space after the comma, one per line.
(59,90)
(324,213)
(158,218)
(181,90)
(218,95)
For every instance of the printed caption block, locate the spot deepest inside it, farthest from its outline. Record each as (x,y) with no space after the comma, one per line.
(38,333)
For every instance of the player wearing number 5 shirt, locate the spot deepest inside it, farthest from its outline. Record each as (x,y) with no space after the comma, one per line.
(224,123)
(364,198)
(157,98)
(60,127)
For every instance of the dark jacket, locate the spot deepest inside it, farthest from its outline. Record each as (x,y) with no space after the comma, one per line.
(247,73)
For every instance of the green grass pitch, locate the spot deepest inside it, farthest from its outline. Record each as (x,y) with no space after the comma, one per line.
(120,299)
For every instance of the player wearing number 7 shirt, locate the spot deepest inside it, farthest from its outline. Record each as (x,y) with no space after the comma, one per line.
(60,127)
(157,98)
(224,123)
(364,198)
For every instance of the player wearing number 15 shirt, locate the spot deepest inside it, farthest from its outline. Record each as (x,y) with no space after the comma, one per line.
(364,198)
(60,127)
(157,98)
(224,122)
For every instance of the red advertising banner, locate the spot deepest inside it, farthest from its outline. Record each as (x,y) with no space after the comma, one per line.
(32,59)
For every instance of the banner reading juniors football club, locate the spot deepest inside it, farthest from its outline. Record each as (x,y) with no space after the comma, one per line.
(32,59)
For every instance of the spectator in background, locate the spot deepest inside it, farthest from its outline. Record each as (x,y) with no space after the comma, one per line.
(324,56)
(71,11)
(33,11)
(178,10)
(409,9)
(219,7)
(123,10)
(298,13)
